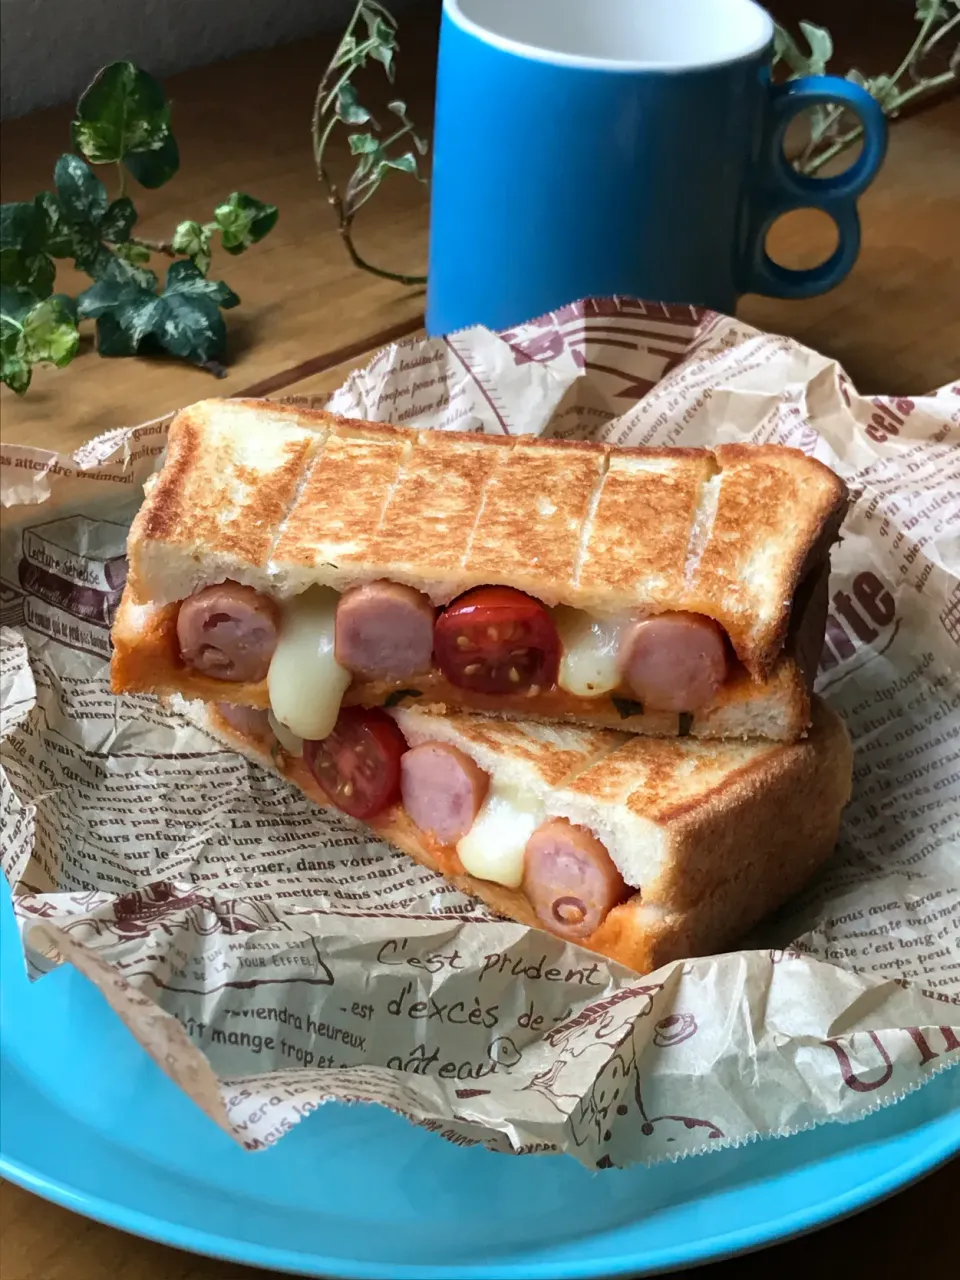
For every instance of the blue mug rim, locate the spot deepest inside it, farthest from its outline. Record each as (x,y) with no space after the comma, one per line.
(453,12)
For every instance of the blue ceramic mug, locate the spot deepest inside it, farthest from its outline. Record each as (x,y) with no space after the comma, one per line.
(593,147)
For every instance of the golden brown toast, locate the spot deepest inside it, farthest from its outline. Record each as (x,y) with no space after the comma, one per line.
(282,497)
(714,835)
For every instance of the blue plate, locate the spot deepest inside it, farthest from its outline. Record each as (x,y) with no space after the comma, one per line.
(88,1121)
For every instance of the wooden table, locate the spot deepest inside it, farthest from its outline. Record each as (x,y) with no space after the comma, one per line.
(307,318)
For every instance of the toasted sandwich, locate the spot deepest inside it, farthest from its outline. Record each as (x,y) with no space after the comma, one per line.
(290,560)
(640,848)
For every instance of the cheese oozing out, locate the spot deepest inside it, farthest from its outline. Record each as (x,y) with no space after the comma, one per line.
(494,846)
(287,739)
(590,646)
(305,681)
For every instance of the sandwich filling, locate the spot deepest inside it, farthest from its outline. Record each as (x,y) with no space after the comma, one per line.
(490,828)
(493,640)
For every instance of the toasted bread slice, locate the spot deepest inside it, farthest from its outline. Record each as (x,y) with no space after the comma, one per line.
(281,498)
(712,836)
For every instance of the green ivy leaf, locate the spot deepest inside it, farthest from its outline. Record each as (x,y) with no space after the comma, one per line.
(50,331)
(83,197)
(192,328)
(153,168)
(821,47)
(14,306)
(132,253)
(34,331)
(123,111)
(347,108)
(125,311)
(407,163)
(362,144)
(927,9)
(120,331)
(114,268)
(243,221)
(59,239)
(185,278)
(192,239)
(23,262)
(34,272)
(106,295)
(92,256)
(367,147)
(383,53)
(184,320)
(118,221)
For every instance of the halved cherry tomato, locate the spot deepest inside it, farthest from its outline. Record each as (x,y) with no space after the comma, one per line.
(358,764)
(497,640)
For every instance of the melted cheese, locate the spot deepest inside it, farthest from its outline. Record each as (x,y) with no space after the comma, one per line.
(494,846)
(305,681)
(588,663)
(288,740)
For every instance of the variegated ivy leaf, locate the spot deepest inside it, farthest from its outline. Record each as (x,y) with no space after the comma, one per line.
(407,163)
(398,107)
(821,47)
(347,108)
(366,146)
(803,64)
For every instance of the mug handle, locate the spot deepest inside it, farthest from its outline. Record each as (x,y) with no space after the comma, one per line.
(778,187)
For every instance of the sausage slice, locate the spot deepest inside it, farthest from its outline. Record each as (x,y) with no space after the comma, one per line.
(251,722)
(442,790)
(384,631)
(229,632)
(674,661)
(569,879)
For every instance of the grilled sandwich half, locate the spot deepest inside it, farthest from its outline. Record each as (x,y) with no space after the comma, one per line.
(642,849)
(291,560)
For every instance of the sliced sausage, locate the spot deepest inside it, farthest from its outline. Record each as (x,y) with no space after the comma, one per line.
(384,631)
(569,879)
(228,632)
(674,661)
(252,722)
(442,790)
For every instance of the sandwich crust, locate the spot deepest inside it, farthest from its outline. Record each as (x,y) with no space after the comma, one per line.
(282,497)
(741,831)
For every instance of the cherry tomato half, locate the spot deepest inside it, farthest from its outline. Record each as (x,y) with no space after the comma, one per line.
(358,764)
(497,640)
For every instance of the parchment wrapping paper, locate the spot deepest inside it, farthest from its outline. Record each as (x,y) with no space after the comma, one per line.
(271,957)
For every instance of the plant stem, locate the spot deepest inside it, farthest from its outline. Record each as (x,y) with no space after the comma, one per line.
(322,102)
(840,145)
(321,88)
(916,46)
(938,35)
(155,246)
(926,86)
(122,180)
(357,261)
(360,50)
